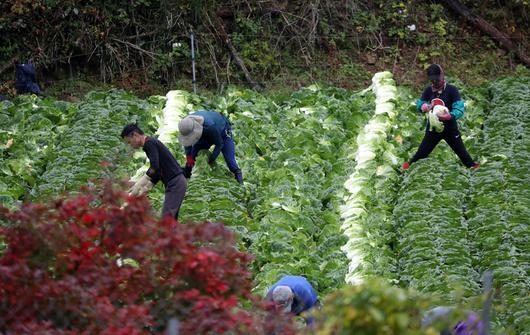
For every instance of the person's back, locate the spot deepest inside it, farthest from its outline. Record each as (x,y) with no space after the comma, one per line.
(305,297)
(212,120)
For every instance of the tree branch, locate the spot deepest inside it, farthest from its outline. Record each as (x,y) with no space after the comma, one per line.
(255,85)
(486,27)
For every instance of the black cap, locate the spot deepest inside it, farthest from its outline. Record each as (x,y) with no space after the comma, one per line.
(434,72)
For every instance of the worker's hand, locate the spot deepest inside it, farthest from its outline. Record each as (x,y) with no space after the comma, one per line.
(445,117)
(141,186)
(135,189)
(144,185)
(190,161)
(425,107)
(146,188)
(187,171)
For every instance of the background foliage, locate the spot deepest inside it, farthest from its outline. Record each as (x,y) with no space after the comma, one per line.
(144,44)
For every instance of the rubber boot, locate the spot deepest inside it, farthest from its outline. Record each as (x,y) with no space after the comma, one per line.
(239,176)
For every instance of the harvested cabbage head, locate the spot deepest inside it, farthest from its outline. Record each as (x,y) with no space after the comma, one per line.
(434,121)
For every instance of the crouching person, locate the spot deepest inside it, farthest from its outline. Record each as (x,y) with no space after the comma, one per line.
(293,294)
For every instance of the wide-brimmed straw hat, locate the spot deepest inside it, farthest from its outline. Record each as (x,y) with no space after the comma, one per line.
(190,130)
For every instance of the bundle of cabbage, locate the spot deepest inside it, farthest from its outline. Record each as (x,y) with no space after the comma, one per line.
(374,156)
(175,109)
(434,121)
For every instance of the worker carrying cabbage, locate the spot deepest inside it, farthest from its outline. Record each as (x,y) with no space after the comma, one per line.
(293,294)
(442,104)
(163,166)
(202,129)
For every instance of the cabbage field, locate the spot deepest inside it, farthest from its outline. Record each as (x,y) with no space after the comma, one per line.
(324,195)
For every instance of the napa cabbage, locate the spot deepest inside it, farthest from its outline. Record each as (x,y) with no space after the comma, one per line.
(432,117)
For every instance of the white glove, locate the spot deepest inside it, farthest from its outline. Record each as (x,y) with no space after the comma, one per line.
(147,187)
(134,189)
(142,185)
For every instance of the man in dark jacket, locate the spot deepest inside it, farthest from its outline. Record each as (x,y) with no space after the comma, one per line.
(163,166)
(25,79)
(447,97)
(293,294)
(201,130)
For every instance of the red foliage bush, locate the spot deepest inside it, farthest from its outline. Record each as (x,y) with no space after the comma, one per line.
(86,265)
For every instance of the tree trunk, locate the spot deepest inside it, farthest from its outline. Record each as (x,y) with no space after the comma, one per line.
(255,85)
(486,27)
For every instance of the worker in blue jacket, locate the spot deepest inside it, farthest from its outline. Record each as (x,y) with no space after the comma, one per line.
(446,95)
(293,294)
(202,129)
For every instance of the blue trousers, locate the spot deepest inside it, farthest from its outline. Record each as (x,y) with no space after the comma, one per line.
(228,151)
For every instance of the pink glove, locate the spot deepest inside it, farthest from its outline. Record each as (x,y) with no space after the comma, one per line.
(425,107)
(445,117)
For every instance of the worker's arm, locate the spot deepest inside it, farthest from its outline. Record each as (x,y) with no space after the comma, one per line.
(306,298)
(154,159)
(457,109)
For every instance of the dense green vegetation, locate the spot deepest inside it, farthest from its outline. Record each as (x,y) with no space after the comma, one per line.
(323,194)
(144,44)
(320,147)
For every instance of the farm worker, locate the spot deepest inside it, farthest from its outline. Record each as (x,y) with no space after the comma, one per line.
(472,325)
(163,166)
(293,294)
(25,79)
(202,129)
(446,97)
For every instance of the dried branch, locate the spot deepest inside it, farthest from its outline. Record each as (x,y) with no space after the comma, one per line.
(134,46)
(239,61)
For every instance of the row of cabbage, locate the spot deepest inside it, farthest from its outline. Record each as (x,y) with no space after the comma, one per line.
(91,137)
(29,127)
(298,198)
(432,245)
(370,189)
(499,210)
